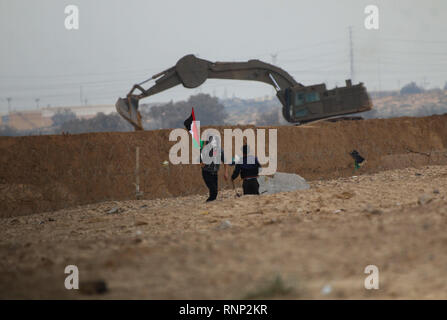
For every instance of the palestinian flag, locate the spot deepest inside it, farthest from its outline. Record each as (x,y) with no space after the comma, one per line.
(190,125)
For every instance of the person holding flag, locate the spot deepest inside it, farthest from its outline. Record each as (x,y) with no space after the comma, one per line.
(211,155)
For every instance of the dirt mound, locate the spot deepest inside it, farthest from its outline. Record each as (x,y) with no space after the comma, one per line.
(41,173)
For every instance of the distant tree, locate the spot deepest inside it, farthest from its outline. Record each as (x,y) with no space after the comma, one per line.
(411,88)
(269,118)
(8,131)
(63,116)
(208,110)
(371,114)
(445,86)
(100,123)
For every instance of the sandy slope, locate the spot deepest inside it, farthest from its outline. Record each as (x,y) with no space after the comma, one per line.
(173,248)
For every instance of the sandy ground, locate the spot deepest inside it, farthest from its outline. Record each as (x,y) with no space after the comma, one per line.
(285,246)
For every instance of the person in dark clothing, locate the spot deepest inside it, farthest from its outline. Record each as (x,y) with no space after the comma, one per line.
(358,159)
(248,169)
(210,169)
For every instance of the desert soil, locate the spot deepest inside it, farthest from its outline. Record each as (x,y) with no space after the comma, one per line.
(286,246)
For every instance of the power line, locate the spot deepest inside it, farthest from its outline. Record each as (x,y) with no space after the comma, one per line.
(314,57)
(117,72)
(414,40)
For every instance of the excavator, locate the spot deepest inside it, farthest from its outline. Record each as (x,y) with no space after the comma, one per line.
(300,104)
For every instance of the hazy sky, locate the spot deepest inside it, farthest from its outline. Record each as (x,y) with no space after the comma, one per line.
(122,42)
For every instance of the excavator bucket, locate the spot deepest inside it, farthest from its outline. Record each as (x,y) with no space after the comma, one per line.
(128,109)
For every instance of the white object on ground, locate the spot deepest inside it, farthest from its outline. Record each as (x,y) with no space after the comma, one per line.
(281,182)
(327,289)
(224,225)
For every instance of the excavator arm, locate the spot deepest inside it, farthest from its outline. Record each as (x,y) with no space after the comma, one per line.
(191,72)
(301,104)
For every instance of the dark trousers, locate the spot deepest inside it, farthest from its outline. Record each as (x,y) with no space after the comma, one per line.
(250,186)
(211,182)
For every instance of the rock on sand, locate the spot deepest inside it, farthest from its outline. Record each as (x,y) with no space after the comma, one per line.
(281,182)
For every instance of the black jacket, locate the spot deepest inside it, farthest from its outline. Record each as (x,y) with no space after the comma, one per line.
(248,167)
(213,167)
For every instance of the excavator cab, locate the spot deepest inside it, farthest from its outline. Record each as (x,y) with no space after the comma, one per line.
(301,103)
(310,103)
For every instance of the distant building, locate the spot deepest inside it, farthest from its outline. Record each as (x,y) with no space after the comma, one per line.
(34,119)
(82,112)
(26,120)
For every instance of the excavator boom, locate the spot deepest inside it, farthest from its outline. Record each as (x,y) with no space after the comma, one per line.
(300,103)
